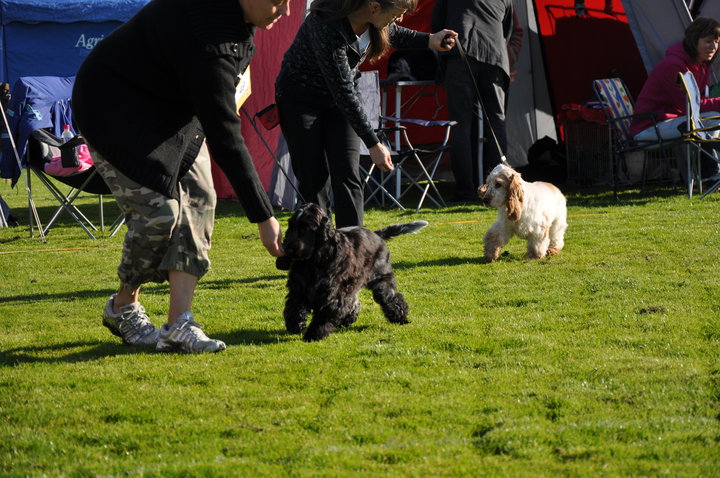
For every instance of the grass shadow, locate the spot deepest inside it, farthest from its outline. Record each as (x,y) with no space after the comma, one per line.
(227,283)
(254,336)
(70,352)
(146,289)
(506,256)
(78,295)
(58,297)
(275,336)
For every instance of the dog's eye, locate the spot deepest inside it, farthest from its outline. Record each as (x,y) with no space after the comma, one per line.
(498,185)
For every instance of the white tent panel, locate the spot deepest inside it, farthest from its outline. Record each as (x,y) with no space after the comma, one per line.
(656,24)
(529,114)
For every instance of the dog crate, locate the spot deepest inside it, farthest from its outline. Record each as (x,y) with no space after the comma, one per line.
(588,147)
(589,153)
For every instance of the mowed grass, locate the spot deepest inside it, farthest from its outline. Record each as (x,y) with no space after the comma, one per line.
(602,361)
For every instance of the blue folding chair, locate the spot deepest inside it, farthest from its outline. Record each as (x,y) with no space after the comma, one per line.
(38,109)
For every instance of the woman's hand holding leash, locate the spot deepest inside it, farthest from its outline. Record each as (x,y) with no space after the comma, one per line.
(444,40)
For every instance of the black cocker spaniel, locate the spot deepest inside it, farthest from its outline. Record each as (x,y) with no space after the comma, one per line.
(329,266)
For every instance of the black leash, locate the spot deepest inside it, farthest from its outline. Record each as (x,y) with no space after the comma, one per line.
(460,48)
(277,161)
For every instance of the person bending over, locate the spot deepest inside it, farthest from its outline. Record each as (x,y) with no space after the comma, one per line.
(168,75)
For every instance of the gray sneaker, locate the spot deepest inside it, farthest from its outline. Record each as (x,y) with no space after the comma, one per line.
(185,336)
(132,325)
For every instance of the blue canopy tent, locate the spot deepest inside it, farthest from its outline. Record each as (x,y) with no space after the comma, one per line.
(51,37)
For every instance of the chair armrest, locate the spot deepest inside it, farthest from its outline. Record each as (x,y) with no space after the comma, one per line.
(420,122)
(390,129)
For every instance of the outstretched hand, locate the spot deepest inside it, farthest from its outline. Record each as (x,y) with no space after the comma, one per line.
(444,40)
(271,236)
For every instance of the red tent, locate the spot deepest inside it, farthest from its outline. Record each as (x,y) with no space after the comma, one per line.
(271,46)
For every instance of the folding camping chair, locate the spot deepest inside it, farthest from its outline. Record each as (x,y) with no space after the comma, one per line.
(415,168)
(43,148)
(620,111)
(698,139)
(37,111)
(369,86)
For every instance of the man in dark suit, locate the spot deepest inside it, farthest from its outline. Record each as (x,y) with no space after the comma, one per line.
(484,28)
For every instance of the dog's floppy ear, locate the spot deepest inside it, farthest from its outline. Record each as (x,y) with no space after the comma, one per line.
(515,198)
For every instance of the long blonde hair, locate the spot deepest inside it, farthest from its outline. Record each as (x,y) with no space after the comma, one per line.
(379,39)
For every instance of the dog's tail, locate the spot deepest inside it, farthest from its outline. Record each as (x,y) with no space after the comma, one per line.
(399,229)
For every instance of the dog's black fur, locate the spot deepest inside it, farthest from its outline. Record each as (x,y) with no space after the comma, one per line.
(329,266)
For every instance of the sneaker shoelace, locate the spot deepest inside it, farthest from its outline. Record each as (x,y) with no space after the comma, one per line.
(192,329)
(136,320)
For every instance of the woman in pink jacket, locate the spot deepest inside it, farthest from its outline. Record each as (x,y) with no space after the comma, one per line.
(661,93)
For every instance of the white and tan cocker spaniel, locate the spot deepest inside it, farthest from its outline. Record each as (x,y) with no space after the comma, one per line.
(535,212)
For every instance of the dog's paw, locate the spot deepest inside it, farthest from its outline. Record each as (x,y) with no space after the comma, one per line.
(313,337)
(346,322)
(295,328)
(315,333)
(493,256)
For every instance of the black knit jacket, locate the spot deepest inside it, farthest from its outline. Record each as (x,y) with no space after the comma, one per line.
(321,68)
(149,94)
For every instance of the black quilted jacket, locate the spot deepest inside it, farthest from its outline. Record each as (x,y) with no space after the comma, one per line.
(321,68)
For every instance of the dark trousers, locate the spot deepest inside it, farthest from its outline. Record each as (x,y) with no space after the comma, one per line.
(463,107)
(325,155)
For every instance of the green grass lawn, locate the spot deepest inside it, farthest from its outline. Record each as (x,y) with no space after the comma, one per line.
(602,361)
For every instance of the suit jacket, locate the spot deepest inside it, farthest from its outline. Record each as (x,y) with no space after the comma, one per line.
(484,27)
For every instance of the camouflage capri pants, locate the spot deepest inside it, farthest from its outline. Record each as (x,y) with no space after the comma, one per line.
(163,234)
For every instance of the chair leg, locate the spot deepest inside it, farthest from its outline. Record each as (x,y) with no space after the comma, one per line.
(65,204)
(431,183)
(380,187)
(715,186)
(690,176)
(694,171)
(102,213)
(117,224)
(68,201)
(424,175)
(644,172)
(711,189)
(615,175)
